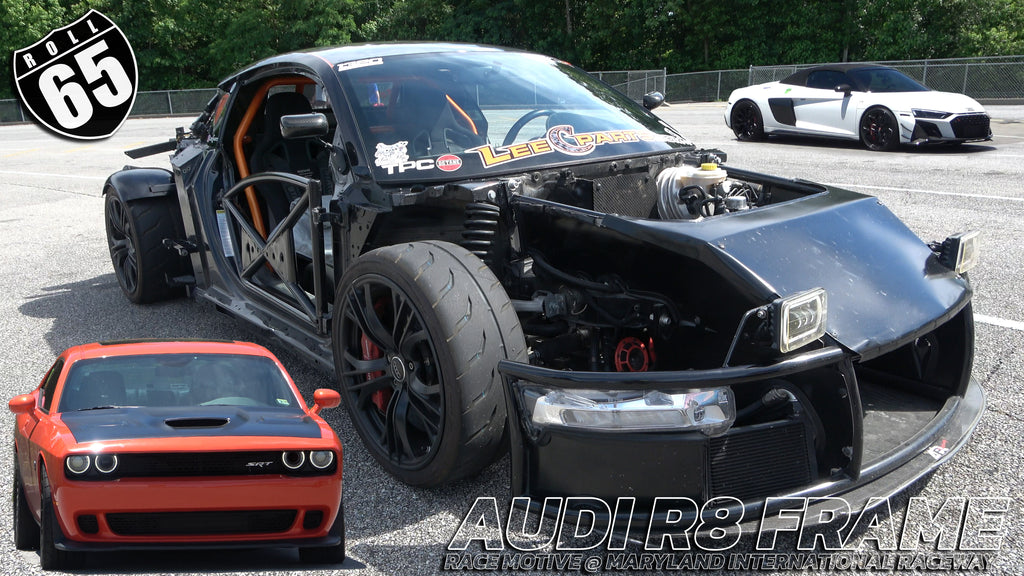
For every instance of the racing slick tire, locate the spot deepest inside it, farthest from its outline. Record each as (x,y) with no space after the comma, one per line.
(51,557)
(747,122)
(418,332)
(328,554)
(26,531)
(879,130)
(135,233)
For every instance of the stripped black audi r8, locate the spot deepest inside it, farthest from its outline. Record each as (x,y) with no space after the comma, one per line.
(496,252)
(878,105)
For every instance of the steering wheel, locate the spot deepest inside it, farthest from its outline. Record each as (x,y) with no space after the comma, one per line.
(523,121)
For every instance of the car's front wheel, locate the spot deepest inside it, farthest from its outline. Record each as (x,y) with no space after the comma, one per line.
(51,557)
(879,130)
(419,329)
(747,122)
(26,531)
(135,233)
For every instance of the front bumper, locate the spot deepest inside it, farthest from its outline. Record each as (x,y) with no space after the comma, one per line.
(189,512)
(974,127)
(859,456)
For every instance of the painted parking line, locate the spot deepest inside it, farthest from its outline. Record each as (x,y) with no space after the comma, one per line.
(47,175)
(1001,322)
(918,190)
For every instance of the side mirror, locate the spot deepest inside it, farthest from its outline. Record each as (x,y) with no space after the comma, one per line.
(653,99)
(844,88)
(325,398)
(304,125)
(22,404)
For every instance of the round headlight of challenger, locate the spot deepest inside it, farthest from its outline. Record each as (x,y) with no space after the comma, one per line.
(106,463)
(77,463)
(321,459)
(293,460)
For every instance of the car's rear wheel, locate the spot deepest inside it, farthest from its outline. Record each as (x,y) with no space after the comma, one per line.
(26,531)
(51,557)
(419,329)
(879,130)
(746,120)
(135,233)
(328,554)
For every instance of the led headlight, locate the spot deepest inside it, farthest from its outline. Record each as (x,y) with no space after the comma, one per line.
(711,411)
(800,319)
(321,459)
(960,251)
(77,463)
(930,114)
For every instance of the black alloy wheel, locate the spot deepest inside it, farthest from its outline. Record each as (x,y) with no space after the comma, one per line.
(135,234)
(418,331)
(26,531)
(879,130)
(747,123)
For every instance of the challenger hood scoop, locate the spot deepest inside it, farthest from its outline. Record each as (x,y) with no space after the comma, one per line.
(183,421)
(179,423)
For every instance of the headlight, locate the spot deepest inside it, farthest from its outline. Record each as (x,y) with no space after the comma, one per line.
(293,460)
(930,114)
(960,252)
(106,463)
(711,411)
(800,319)
(321,459)
(77,463)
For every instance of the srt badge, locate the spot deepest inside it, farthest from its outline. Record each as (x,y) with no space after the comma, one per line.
(79,80)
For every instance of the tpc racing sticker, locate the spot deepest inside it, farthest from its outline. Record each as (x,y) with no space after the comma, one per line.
(80,80)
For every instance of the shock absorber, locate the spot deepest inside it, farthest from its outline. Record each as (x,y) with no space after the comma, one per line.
(480,233)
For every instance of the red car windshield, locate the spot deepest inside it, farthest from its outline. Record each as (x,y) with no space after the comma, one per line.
(479,113)
(155,380)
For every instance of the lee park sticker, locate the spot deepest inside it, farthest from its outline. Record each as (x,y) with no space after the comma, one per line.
(79,80)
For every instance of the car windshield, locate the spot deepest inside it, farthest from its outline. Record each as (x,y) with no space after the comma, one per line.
(154,380)
(476,113)
(884,80)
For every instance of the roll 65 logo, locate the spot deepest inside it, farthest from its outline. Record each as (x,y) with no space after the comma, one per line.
(79,80)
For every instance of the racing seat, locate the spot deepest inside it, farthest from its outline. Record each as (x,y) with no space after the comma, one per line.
(102,388)
(273,153)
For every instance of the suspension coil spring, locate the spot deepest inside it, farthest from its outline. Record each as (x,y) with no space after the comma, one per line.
(480,233)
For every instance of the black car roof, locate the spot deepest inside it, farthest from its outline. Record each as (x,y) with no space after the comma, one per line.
(799,78)
(317,57)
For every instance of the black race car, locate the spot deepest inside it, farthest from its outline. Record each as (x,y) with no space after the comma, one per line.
(497,252)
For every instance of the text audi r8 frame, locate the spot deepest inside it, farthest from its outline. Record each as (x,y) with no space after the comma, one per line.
(490,245)
(173,445)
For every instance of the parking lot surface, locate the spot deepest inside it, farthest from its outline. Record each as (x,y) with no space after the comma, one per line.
(57,289)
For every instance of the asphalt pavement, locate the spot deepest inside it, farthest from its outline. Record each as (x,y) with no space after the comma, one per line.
(57,289)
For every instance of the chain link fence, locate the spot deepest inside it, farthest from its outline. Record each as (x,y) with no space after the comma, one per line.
(634,83)
(996,78)
(159,103)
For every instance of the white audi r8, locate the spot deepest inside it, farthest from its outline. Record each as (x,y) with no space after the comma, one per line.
(880,106)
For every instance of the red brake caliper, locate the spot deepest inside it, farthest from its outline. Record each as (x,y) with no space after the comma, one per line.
(380,398)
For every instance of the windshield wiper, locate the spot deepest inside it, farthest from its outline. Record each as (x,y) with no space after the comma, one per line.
(99,408)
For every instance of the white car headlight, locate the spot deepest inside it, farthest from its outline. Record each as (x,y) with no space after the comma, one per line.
(77,463)
(800,319)
(712,411)
(930,114)
(961,252)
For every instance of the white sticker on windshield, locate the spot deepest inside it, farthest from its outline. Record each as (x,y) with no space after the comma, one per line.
(391,155)
(360,64)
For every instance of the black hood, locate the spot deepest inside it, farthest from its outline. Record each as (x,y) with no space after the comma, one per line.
(181,422)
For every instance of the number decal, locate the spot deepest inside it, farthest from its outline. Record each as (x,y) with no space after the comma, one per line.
(79,80)
(69,102)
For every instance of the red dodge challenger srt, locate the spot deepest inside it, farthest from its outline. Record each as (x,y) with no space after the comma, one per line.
(156,445)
